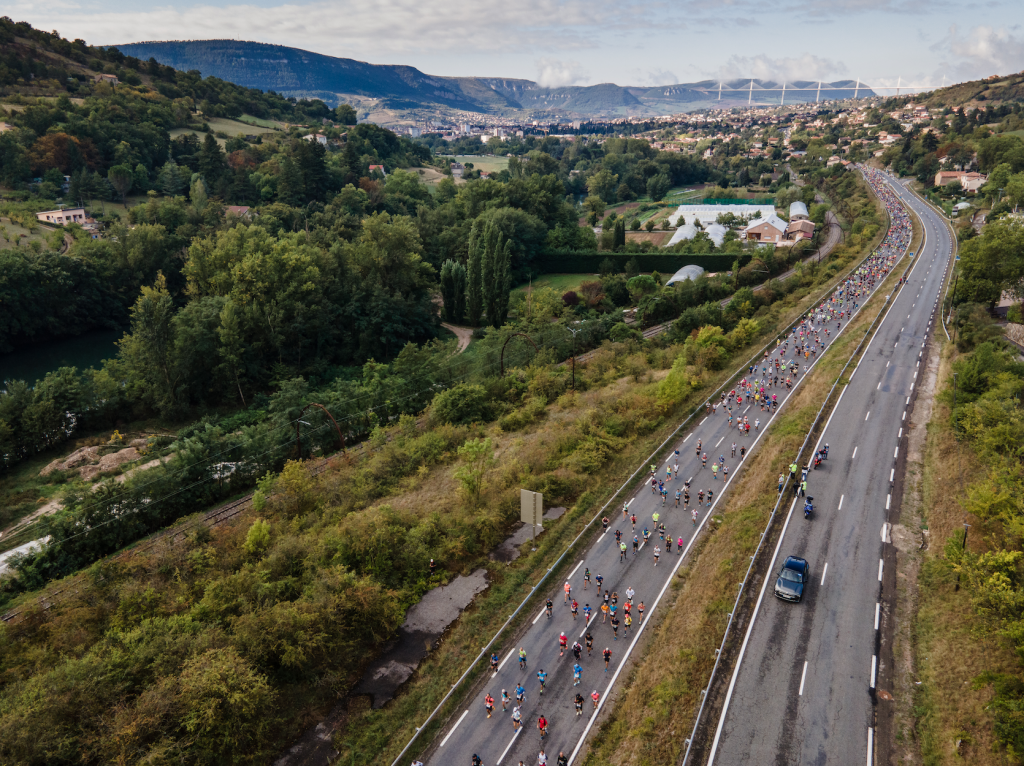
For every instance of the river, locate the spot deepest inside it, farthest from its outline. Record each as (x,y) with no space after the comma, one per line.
(33,362)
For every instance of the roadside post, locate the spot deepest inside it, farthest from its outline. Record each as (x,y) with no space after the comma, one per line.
(531,510)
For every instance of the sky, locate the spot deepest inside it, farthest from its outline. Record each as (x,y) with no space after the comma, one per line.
(585,42)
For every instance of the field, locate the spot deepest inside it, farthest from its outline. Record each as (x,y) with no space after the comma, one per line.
(230,127)
(658,238)
(487,163)
(16,235)
(560,282)
(260,122)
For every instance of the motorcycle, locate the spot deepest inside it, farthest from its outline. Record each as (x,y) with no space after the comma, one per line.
(808,507)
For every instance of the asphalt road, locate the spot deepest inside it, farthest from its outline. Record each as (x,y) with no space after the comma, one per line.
(470,732)
(801,692)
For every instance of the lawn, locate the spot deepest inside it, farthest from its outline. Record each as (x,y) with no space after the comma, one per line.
(487,163)
(561,282)
(261,123)
(230,127)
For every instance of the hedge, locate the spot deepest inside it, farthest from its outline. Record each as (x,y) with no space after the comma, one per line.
(663,263)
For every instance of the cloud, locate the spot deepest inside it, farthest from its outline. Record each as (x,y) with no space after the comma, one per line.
(351,28)
(785,69)
(983,51)
(552,73)
(652,77)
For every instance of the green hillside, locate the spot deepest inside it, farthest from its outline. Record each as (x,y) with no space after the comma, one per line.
(1008,88)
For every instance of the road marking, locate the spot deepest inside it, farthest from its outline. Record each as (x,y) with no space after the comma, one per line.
(687,437)
(587,625)
(911,386)
(543,609)
(887,365)
(887,499)
(803,676)
(874,669)
(877,388)
(879,570)
(854,453)
(443,741)
(878,610)
(719,442)
(900,436)
(840,503)
(885,532)
(505,751)
(895,453)
(701,422)
(915,374)
(823,571)
(892,472)
(908,400)
(507,656)
(896,344)
(630,501)
(575,570)
(748,407)
(867,415)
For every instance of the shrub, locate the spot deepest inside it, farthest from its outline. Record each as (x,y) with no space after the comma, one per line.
(464,403)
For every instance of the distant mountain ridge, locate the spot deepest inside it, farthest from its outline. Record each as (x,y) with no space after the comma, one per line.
(305,74)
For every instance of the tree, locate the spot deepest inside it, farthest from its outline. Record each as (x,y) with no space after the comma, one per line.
(595,205)
(474,287)
(477,459)
(345,114)
(212,162)
(658,186)
(121,178)
(620,234)
(169,179)
(453,290)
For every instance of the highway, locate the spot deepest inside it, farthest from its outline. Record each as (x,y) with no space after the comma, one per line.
(494,739)
(803,688)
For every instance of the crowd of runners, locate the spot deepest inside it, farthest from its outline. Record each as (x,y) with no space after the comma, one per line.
(781,366)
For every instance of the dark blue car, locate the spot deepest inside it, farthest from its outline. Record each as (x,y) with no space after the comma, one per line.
(790,585)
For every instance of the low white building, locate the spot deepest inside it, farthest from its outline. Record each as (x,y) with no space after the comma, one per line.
(62,216)
(691,271)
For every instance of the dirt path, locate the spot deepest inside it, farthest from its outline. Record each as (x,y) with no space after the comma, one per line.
(464,334)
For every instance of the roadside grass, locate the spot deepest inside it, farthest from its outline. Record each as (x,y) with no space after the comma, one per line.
(953,644)
(663,688)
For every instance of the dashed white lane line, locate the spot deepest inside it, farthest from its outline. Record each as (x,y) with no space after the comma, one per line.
(895,453)
(687,437)
(701,422)
(854,453)
(900,434)
(803,677)
(823,573)
(892,472)
(719,442)
(887,365)
(908,400)
(509,747)
(874,669)
(867,415)
(880,563)
(628,503)
(888,498)
(587,624)
(577,567)
(885,532)
(543,609)
(879,386)
(878,610)
(507,657)
(748,407)
(445,740)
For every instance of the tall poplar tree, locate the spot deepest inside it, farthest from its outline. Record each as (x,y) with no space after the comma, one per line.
(474,294)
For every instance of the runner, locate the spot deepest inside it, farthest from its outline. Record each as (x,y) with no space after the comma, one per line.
(577,671)
(568,590)
(517,718)
(579,704)
(586,578)
(505,700)
(563,643)
(607,653)
(657,553)
(596,697)
(575,608)
(590,643)
(489,704)
(522,658)
(542,677)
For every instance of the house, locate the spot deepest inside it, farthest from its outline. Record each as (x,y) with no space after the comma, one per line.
(833,160)
(63,216)
(770,228)
(457,168)
(239,211)
(320,138)
(107,78)
(379,168)
(799,229)
(798,211)
(970,182)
